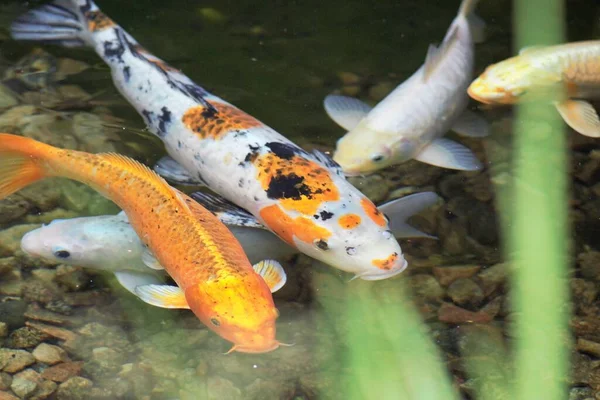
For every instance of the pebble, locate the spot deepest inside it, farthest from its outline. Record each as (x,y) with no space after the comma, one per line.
(10,238)
(3,329)
(584,292)
(465,292)
(375,187)
(448,274)
(25,337)
(71,278)
(220,388)
(12,209)
(5,381)
(25,383)
(588,346)
(7,264)
(493,277)
(12,313)
(49,354)
(589,264)
(44,390)
(351,90)
(348,78)
(41,292)
(75,388)
(62,372)
(12,361)
(7,396)
(425,287)
(380,90)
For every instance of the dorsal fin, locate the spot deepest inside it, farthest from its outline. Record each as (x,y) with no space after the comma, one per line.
(435,54)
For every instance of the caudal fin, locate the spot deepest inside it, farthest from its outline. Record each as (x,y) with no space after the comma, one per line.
(60,22)
(19,164)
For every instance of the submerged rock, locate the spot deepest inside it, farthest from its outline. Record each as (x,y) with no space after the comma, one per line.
(465,292)
(25,383)
(10,238)
(76,388)
(63,371)
(25,337)
(12,361)
(49,354)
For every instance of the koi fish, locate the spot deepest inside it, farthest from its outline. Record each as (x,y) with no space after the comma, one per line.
(302,197)
(214,277)
(540,70)
(410,122)
(109,243)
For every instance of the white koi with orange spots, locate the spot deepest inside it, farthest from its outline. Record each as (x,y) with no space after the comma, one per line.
(538,71)
(292,192)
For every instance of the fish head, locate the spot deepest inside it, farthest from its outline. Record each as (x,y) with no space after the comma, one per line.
(359,240)
(511,81)
(57,242)
(238,307)
(364,150)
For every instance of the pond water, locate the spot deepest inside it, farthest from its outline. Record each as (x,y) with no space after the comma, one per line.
(69,333)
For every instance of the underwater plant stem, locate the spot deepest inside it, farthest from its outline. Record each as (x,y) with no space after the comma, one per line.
(538,239)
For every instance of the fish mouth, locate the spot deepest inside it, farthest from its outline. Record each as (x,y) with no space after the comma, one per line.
(240,348)
(28,248)
(474,92)
(379,274)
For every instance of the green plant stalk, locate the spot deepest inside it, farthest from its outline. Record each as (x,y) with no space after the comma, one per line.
(538,241)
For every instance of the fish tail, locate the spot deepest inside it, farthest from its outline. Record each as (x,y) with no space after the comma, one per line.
(467,7)
(22,162)
(63,22)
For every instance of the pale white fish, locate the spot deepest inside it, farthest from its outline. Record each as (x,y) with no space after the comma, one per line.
(109,243)
(410,121)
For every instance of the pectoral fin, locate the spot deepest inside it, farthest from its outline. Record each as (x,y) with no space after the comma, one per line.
(272,272)
(478,28)
(150,261)
(132,279)
(165,296)
(471,125)
(448,154)
(172,171)
(226,211)
(581,116)
(399,210)
(345,111)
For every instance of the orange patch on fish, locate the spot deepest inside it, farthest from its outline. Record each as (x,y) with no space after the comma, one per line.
(287,227)
(349,221)
(98,21)
(372,211)
(209,123)
(386,263)
(299,184)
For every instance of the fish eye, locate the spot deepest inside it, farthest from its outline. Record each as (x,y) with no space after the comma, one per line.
(215,321)
(321,244)
(377,157)
(62,254)
(350,251)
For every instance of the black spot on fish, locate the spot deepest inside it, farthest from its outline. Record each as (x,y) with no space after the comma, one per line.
(114,49)
(283,150)
(251,156)
(126,73)
(289,186)
(350,251)
(86,7)
(241,182)
(148,116)
(321,244)
(325,215)
(164,119)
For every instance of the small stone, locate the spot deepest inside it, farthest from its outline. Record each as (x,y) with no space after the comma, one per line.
(49,354)
(10,238)
(7,264)
(76,388)
(12,361)
(44,390)
(451,314)
(493,277)
(351,90)
(7,98)
(3,329)
(72,278)
(105,361)
(587,346)
(448,274)
(25,383)
(465,292)
(46,316)
(584,292)
(348,78)
(44,275)
(5,381)
(62,372)
(581,393)
(380,90)
(220,388)
(11,313)
(25,338)
(7,396)
(375,187)
(425,287)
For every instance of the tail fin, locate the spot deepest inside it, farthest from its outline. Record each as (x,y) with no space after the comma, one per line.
(60,22)
(20,164)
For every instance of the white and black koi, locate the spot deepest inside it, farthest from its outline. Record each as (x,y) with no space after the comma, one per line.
(302,197)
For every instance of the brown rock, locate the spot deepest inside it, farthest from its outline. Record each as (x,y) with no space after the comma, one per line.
(75,388)
(62,372)
(12,361)
(49,354)
(493,277)
(452,314)
(25,383)
(587,346)
(447,275)
(44,390)
(5,381)
(7,396)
